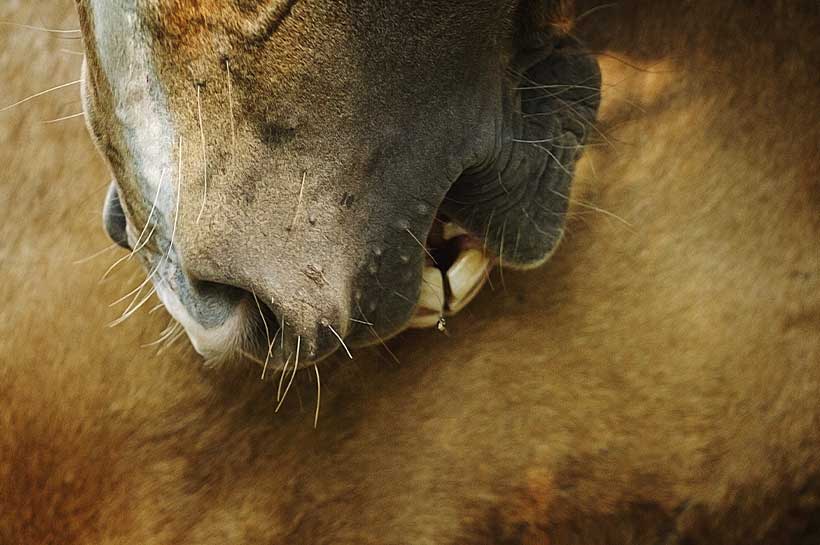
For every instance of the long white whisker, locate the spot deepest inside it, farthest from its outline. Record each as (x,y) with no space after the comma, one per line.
(373,332)
(361,322)
(423,247)
(267,336)
(248,355)
(230,112)
(269,354)
(293,375)
(40,29)
(37,95)
(114,266)
(176,211)
(132,292)
(136,295)
(204,152)
(318,397)
(160,262)
(138,245)
(173,327)
(282,376)
(64,118)
(129,313)
(590,206)
(298,202)
(135,292)
(501,255)
(170,343)
(349,355)
(95,254)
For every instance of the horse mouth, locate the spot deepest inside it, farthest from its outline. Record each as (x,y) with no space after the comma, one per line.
(457,264)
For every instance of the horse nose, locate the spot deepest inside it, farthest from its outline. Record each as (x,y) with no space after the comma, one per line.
(309,328)
(299,322)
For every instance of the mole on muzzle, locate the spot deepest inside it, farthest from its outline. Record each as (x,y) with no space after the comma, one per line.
(306,200)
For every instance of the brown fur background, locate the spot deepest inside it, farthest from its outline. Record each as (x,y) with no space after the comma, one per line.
(657,382)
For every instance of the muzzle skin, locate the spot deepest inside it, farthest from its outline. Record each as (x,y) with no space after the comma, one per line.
(289,170)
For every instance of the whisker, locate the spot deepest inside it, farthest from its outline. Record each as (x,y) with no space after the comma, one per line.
(270,353)
(501,255)
(113,266)
(171,342)
(96,254)
(230,112)
(562,87)
(535,226)
(248,355)
(160,262)
(204,151)
(590,206)
(373,332)
(135,292)
(164,259)
(267,335)
(484,249)
(423,247)
(64,118)
(578,18)
(282,376)
(299,202)
(541,141)
(139,244)
(554,158)
(41,29)
(568,105)
(487,231)
(361,322)
(172,329)
(580,118)
(176,211)
(293,375)
(142,285)
(330,327)
(37,95)
(318,397)
(172,325)
(128,313)
(608,88)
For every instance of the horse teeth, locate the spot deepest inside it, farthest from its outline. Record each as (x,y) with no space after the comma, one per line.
(451,231)
(431,300)
(466,277)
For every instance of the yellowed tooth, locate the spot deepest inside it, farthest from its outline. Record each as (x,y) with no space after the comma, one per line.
(431,300)
(423,321)
(466,277)
(451,231)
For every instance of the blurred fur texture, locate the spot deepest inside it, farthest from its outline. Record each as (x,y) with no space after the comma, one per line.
(667,366)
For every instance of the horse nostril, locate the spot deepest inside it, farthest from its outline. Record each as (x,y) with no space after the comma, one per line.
(114,217)
(305,331)
(287,323)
